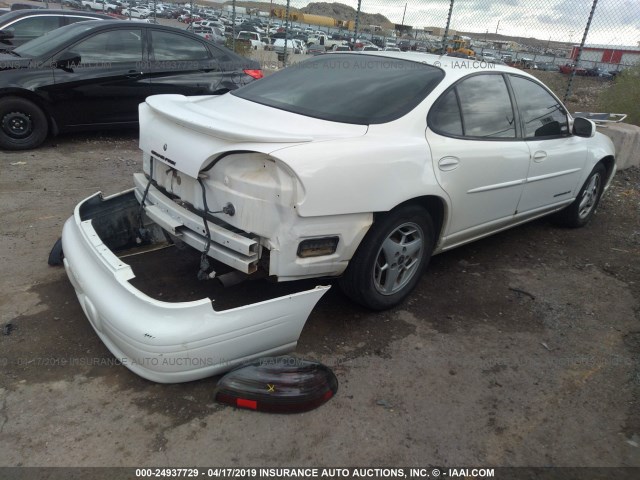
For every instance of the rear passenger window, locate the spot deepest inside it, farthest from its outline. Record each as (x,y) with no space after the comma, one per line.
(486,107)
(171,46)
(477,107)
(445,116)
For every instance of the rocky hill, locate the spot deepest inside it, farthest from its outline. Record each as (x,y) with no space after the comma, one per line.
(340,11)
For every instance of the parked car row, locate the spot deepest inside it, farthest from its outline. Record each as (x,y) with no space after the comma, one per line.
(588,72)
(21,26)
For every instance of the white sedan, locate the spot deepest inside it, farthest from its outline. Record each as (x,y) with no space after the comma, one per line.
(359,166)
(136,12)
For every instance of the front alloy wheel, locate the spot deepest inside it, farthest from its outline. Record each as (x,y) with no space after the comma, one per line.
(590,196)
(584,206)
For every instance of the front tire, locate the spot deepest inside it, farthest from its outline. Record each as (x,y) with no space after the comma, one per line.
(391,259)
(579,213)
(22,124)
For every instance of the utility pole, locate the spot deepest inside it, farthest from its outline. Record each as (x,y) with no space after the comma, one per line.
(233,24)
(405,12)
(357,25)
(286,34)
(497,27)
(580,48)
(443,48)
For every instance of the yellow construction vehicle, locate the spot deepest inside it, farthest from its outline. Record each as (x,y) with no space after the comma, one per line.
(460,45)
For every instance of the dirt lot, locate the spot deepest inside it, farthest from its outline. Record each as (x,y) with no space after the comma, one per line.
(521,349)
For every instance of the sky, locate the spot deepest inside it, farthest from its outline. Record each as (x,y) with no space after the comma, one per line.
(615,22)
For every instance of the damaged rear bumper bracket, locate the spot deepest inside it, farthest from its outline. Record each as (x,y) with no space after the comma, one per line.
(228,247)
(163,341)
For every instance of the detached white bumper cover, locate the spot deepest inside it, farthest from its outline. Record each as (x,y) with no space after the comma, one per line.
(172,342)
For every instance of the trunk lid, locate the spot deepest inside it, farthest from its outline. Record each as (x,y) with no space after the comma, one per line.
(185,132)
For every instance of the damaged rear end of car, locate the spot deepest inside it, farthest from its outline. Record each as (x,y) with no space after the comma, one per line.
(218,189)
(163,341)
(186,202)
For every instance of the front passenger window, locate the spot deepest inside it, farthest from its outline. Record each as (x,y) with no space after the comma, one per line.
(542,114)
(117,46)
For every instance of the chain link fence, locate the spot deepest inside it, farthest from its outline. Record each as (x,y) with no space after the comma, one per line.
(591,38)
(570,38)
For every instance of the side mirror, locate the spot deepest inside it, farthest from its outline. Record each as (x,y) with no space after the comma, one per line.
(583,127)
(6,35)
(67,60)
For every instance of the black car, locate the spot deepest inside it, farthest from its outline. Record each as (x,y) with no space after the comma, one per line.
(404,45)
(93,75)
(599,72)
(21,26)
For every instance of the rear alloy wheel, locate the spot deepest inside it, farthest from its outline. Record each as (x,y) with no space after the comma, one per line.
(391,259)
(584,206)
(22,124)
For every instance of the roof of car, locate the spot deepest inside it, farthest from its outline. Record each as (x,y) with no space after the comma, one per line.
(43,11)
(123,24)
(452,66)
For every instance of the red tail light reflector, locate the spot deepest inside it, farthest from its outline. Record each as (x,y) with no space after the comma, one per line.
(257,74)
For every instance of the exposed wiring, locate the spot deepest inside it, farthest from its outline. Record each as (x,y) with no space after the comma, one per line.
(203,273)
(228,209)
(143,233)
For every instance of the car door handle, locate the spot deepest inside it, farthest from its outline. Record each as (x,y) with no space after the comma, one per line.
(539,156)
(134,74)
(448,163)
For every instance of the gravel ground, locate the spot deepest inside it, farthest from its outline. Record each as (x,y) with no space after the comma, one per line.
(520,349)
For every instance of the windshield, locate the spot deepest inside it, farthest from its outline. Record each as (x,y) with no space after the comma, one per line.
(348,88)
(50,42)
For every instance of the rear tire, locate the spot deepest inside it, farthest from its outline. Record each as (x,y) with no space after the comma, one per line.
(391,259)
(22,124)
(579,213)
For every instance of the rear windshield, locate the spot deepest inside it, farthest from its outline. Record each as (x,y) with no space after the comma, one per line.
(348,88)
